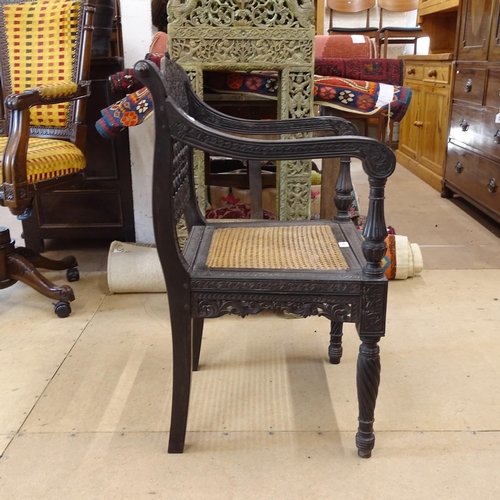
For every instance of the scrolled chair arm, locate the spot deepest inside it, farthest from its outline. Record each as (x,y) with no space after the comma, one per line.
(16,193)
(52,93)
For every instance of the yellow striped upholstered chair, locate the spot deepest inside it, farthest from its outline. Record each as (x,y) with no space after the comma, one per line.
(45,50)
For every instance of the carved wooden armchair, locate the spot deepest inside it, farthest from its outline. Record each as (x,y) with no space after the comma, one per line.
(44,63)
(307,268)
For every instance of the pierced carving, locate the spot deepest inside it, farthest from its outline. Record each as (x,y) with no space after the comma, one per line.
(248,35)
(241,13)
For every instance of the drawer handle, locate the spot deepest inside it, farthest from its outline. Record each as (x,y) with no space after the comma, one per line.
(468,85)
(464,125)
(432,73)
(492,186)
(418,123)
(459,168)
(497,137)
(411,71)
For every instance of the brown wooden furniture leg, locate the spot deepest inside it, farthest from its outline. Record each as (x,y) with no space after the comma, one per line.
(21,269)
(44,262)
(367,381)
(335,347)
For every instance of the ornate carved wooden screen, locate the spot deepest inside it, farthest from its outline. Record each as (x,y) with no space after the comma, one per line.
(246,35)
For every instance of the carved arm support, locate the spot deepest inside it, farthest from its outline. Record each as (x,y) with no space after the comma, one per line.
(377,158)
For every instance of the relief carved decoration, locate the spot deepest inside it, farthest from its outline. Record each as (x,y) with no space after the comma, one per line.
(241,13)
(374,309)
(213,305)
(277,286)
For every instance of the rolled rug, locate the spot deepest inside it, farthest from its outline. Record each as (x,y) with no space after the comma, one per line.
(403,259)
(134,268)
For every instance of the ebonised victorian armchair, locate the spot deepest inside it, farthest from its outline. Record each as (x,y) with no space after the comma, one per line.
(308,268)
(44,63)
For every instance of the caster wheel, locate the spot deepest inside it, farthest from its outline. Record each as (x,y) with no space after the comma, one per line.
(72,274)
(62,309)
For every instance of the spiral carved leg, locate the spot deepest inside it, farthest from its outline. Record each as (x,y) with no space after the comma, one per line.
(367,380)
(335,347)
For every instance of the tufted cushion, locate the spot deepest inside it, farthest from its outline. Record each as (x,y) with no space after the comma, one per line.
(42,52)
(48,158)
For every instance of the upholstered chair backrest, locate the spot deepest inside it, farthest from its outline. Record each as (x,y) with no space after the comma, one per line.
(40,45)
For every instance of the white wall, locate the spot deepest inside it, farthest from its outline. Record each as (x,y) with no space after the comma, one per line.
(137,34)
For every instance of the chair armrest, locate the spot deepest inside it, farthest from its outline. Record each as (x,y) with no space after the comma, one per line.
(378,159)
(15,177)
(53,93)
(213,118)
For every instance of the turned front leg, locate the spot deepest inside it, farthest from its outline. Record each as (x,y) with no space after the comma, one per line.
(367,381)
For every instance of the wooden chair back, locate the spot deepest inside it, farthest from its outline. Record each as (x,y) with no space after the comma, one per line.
(398,5)
(350,6)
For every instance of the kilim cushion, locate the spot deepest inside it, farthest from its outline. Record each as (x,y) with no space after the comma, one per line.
(48,158)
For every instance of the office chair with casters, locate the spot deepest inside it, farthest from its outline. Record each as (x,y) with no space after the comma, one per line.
(400,35)
(45,48)
(352,7)
(321,267)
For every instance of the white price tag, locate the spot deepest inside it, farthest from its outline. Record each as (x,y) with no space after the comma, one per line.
(343,244)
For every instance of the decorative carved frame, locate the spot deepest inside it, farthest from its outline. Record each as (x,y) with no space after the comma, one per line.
(248,35)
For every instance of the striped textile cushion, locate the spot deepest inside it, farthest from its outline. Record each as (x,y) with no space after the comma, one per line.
(48,158)
(42,47)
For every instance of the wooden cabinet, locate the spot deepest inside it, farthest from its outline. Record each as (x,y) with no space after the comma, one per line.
(438,18)
(474,30)
(426,7)
(102,206)
(424,130)
(473,160)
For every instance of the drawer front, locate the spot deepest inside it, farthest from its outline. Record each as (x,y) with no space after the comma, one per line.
(493,89)
(414,71)
(476,128)
(439,73)
(469,85)
(475,176)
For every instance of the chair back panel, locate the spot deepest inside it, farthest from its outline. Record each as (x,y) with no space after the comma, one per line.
(350,6)
(398,5)
(40,45)
(178,85)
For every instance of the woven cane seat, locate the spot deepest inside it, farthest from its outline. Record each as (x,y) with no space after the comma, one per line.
(48,159)
(311,247)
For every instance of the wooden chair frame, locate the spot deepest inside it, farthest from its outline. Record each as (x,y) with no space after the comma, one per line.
(196,291)
(395,35)
(353,7)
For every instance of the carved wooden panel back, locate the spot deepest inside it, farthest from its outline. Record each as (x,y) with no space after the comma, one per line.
(246,35)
